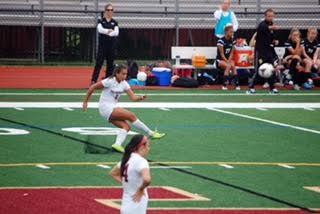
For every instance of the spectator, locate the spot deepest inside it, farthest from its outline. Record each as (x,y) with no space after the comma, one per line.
(108,32)
(292,57)
(310,51)
(225,60)
(224,16)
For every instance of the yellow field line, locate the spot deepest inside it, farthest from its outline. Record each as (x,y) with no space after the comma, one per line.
(162,162)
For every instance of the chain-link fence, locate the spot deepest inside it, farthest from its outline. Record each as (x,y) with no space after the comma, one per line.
(65,30)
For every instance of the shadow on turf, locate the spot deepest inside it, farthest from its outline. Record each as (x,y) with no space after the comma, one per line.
(94,147)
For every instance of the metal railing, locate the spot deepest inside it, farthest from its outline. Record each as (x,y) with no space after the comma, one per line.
(153,28)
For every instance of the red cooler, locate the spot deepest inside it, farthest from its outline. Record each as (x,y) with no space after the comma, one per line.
(243,56)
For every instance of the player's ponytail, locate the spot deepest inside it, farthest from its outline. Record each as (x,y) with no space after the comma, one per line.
(131,147)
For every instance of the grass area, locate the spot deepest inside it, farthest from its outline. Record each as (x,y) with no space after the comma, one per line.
(193,135)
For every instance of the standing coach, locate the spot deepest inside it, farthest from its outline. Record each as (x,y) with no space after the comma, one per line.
(108,30)
(264,50)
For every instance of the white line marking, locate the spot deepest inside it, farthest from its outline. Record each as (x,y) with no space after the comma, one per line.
(42,166)
(226,166)
(19,109)
(164,109)
(162,94)
(262,109)
(103,166)
(171,167)
(286,166)
(308,109)
(266,121)
(314,188)
(169,105)
(68,109)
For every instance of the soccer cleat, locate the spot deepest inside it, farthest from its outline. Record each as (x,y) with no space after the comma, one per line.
(157,135)
(274,91)
(117,148)
(238,88)
(251,91)
(224,88)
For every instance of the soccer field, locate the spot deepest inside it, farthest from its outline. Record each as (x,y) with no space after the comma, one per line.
(224,152)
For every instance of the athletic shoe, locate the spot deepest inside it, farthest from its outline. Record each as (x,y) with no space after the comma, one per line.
(296,87)
(224,88)
(238,88)
(274,91)
(157,135)
(117,148)
(251,91)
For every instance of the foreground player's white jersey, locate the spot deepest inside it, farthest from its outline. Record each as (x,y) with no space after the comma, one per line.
(112,91)
(131,182)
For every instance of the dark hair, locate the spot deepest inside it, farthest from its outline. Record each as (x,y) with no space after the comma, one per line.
(118,69)
(270,10)
(131,147)
(107,5)
(227,28)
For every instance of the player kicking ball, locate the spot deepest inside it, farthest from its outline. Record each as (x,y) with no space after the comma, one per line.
(265,52)
(112,88)
(134,173)
(225,60)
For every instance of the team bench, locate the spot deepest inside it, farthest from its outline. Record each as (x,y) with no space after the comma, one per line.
(186,52)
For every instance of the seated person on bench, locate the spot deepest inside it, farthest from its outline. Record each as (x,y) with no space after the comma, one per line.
(225,60)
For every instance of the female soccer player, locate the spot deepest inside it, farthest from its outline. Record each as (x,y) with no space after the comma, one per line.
(292,56)
(113,87)
(310,51)
(134,174)
(225,60)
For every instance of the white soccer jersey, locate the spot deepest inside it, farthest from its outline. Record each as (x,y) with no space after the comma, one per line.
(131,183)
(110,95)
(112,91)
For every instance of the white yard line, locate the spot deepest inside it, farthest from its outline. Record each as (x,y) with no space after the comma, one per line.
(262,109)
(226,166)
(164,109)
(68,109)
(158,94)
(42,166)
(103,166)
(308,109)
(168,105)
(170,167)
(266,121)
(286,166)
(19,109)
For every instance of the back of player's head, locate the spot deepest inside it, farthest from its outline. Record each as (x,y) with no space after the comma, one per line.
(132,146)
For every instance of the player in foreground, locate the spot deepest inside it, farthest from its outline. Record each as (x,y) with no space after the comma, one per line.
(113,87)
(134,174)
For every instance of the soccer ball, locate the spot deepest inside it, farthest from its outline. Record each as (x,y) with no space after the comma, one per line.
(266,70)
(142,76)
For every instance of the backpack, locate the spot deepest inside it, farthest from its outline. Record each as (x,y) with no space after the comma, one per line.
(133,69)
(152,80)
(185,83)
